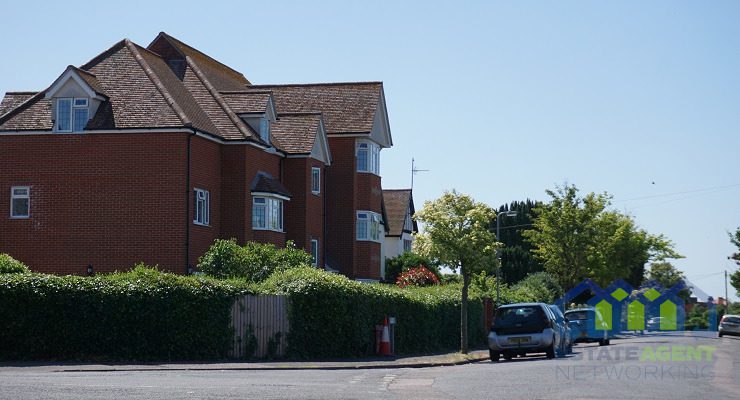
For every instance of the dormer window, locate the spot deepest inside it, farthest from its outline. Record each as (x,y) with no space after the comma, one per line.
(72,114)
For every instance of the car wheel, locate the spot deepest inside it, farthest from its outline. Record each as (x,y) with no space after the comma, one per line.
(495,355)
(550,353)
(508,356)
(604,342)
(570,348)
(720,334)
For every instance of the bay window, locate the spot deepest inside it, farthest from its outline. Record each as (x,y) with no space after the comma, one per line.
(267,213)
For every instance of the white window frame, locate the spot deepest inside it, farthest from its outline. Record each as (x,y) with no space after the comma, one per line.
(201,216)
(14,196)
(273,210)
(371,152)
(367,226)
(315,180)
(72,107)
(315,252)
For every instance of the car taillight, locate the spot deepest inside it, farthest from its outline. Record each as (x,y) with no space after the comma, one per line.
(548,323)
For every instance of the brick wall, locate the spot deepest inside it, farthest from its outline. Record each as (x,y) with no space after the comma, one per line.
(304,213)
(205,174)
(340,197)
(109,200)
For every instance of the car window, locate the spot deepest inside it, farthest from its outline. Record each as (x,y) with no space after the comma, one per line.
(733,320)
(518,315)
(556,311)
(577,315)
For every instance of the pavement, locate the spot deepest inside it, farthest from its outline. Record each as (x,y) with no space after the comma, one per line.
(434,360)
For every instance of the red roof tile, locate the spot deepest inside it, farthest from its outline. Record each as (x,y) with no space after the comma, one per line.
(295,133)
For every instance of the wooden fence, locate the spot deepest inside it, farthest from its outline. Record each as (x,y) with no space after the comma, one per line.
(260,326)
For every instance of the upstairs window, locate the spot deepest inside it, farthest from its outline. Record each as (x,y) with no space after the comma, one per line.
(20,202)
(368,226)
(267,214)
(202,200)
(72,114)
(368,157)
(315,180)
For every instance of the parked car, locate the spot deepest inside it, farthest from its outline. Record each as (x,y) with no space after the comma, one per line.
(583,323)
(523,328)
(729,325)
(653,324)
(566,343)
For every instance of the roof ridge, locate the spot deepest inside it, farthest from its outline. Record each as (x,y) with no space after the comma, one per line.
(177,41)
(320,84)
(240,125)
(133,47)
(103,55)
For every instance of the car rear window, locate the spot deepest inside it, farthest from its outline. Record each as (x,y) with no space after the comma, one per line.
(577,315)
(510,316)
(732,320)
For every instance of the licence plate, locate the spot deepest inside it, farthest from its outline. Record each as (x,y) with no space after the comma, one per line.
(522,339)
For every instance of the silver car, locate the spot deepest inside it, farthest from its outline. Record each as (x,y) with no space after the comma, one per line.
(523,328)
(729,325)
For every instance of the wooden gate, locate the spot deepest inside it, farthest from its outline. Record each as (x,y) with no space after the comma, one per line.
(260,327)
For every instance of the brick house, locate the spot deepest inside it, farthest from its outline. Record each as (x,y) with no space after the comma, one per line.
(149,154)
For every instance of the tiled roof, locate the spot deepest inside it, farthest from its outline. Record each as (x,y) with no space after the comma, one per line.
(347,107)
(397,203)
(295,133)
(264,183)
(247,102)
(220,75)
(91,80)
(13,100)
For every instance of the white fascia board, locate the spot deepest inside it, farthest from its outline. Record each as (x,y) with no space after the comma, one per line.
(381,131)
(320,150)
(67,75)
(268,194)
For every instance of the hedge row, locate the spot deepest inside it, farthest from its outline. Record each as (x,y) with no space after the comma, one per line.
(139,315)
(332,316)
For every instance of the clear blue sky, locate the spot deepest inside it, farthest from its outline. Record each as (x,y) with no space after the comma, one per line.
(500,100)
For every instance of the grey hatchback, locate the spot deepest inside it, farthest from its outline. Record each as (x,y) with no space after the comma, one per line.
(523,328)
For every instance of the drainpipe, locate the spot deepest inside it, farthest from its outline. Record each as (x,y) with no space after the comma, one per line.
(187,204)
(324,194)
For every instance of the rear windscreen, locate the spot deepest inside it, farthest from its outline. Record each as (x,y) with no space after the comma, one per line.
(732,320)
(511,316)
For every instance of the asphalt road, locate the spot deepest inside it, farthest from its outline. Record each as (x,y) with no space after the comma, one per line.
(651,367)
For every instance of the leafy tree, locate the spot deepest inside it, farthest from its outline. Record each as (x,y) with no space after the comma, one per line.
(735,277)
(253,261)
(404,262)
(517,259)
(667,276)
(457,235)
(577,238)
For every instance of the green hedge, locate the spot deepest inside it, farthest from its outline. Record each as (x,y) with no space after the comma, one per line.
(332,316)
(9,265)
(139,315)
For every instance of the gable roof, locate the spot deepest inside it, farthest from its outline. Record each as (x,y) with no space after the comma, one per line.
(13,100)
(347,107)
(295,133)
(398,202)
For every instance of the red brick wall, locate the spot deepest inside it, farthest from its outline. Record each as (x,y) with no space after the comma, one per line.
(234,193)
(304,213)
(109,200)
(341,210)
(369,198)
(205,173)
(256,160)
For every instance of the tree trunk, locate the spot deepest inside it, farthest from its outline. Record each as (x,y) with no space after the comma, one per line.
(464,314)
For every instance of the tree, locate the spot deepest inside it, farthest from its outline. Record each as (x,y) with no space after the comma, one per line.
(517,260)
(578,238)
(456,234)
(735,277)
(665,274)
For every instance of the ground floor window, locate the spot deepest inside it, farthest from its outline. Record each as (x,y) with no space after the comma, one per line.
(267,213)
(202,200)
(315,252)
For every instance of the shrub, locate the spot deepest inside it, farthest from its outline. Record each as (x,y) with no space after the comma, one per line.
(253,261)
(138,315)
(9,265)
(419,276)
(332,316)
(404,262)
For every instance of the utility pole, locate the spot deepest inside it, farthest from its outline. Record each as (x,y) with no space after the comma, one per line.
(727,299)
(414,171)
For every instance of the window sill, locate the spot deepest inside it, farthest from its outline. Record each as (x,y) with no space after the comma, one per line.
(20,217)
(268,230)
(201,224)
(368,172)
(369,240)
(316,193)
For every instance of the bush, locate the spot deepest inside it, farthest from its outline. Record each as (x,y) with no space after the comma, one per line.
(139,315)
(9,265)
(537,287)
(419,276)
(332,316)
(404,262)
(253,261)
